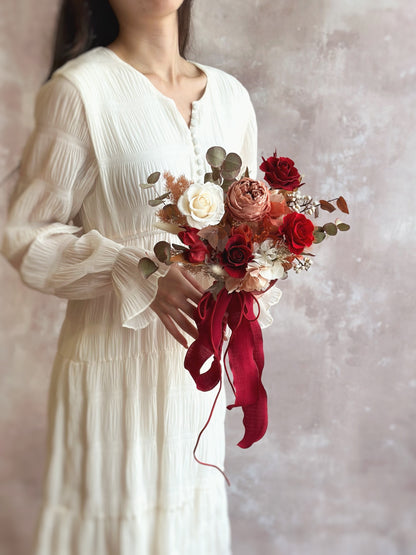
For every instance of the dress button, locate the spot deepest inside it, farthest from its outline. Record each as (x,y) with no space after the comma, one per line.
(199,171)
(197,150)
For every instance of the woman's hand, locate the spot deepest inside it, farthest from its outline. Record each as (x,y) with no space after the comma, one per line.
(171,302)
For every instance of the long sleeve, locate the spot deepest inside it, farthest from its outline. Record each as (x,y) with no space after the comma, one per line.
(52,255)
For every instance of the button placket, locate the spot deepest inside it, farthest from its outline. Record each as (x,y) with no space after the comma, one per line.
(199,162)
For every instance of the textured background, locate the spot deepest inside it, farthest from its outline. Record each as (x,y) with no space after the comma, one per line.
(334,86)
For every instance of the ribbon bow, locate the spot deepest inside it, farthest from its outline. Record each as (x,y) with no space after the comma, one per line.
(245,356)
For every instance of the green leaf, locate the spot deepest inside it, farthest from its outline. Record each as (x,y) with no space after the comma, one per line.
(158,200)
(147,267)
(319,236)
(208,177)
(215,156)
(330,228)
(146,185)
(343,227)
(162,251)
(153,178)
(231,164)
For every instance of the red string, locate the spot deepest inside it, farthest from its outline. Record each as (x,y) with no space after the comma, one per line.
(201,432)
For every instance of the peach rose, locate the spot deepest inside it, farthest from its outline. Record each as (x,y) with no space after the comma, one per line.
(279,208)
(248,200)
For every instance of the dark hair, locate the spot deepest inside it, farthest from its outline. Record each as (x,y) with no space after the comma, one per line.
(86,24)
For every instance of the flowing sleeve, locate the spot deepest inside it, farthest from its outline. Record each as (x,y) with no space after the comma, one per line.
(249,156)
(50,253)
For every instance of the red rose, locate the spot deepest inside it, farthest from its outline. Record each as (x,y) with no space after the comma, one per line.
(298,232)
(197,248)
(236,254)
(280,173)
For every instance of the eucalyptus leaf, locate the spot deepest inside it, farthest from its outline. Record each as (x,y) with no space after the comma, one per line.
(208,177)
(153,178)
(230,174)
(216,174)
(155,202)
(162,251)
(215,156)
(165,195)
(146,185)
(330,228)
(319,236)
(343,227)
(147,267)
(231,163)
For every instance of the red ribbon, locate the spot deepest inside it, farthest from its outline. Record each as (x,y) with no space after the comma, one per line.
(245,356)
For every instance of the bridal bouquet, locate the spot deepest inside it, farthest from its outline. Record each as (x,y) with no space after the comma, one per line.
(246,234)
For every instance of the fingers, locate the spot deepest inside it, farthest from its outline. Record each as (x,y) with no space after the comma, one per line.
(193,281)
(173,330)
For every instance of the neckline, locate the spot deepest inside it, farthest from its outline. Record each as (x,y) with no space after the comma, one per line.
(194,103)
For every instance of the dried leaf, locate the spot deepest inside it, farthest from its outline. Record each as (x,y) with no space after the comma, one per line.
(153,178)
(170,228)
(211,234)
(147,267)
(325,205)
(246,173)
(181,248)
(342,205)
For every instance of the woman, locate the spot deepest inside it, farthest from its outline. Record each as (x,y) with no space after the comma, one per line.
(123,413)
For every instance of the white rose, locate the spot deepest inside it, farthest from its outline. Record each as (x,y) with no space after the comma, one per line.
(202,204)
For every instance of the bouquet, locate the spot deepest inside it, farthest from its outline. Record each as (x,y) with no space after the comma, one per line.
(246,234)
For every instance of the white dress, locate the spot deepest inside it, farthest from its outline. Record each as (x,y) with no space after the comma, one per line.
(123,413)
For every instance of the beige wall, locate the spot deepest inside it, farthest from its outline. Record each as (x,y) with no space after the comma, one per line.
(334,87)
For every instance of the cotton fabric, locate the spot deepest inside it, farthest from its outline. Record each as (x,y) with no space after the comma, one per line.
(123,413)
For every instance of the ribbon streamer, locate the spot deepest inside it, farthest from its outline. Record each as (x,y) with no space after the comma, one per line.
(245,356)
